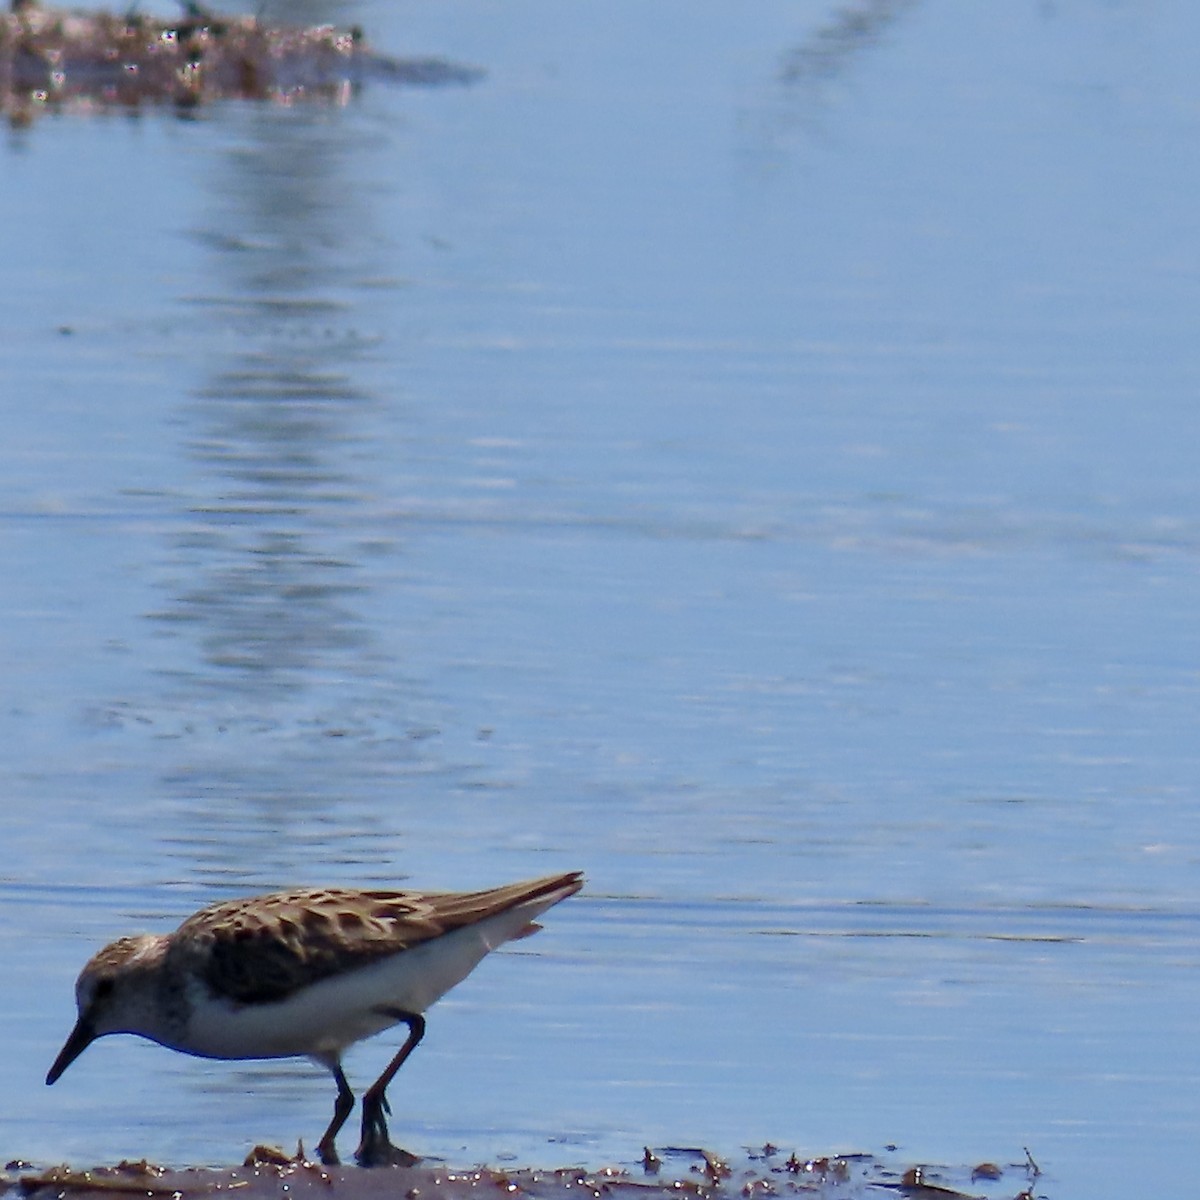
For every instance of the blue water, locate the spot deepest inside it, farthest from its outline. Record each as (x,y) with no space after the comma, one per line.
(746,454)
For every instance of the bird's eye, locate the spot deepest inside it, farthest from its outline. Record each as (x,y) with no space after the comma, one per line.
(103,989)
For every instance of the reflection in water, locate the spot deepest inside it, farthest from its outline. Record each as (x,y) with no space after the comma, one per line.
(273,598)
(850,30)
(276,673)
(285,697)
(270,574)
(804,86)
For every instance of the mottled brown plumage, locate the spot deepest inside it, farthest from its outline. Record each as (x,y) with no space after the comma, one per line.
(264,948)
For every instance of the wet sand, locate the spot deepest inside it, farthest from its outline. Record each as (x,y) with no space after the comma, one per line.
(270,1174)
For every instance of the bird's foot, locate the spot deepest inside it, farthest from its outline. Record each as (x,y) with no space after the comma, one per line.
(378,1153)
(376,1149)
(327,1153)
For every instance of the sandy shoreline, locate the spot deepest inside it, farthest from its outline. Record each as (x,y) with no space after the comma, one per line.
(270,1174)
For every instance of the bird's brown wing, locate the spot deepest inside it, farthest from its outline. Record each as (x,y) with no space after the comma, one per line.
(262,949)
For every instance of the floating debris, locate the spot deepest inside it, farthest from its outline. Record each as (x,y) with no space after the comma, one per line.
(55,59)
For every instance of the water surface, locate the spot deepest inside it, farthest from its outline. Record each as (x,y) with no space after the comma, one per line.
(746,456)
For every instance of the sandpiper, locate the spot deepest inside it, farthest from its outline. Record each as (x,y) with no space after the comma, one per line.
(304,973)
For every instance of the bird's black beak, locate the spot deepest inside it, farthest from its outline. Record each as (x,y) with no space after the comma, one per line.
(82,1036)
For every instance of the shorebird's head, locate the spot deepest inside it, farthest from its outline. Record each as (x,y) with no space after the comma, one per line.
(111,994)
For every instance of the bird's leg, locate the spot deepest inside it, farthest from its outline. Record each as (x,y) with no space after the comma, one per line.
(342,1107)
(376,1149)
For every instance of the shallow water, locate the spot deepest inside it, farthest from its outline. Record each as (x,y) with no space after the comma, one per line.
(748,457)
